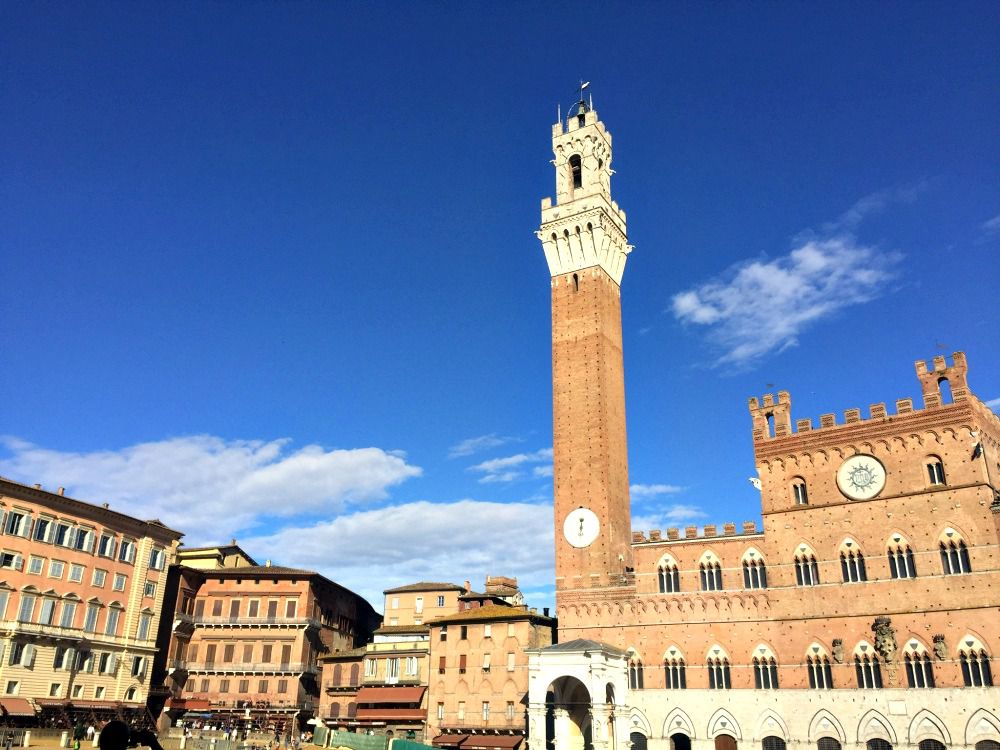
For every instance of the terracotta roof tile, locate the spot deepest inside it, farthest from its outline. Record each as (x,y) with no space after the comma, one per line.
(425,586)
(491,612)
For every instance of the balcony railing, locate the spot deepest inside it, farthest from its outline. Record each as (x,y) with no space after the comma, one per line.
(52,631)
(341,686)
(217,666)
(256,622)
(264,705)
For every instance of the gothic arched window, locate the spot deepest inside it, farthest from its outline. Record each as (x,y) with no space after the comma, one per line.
(954,554)
(852,563)
(867,667)
(635,681)
(668,576)
(675,673)
(975,663)
(754,571)
(806,568)
(901,564)
(711,576)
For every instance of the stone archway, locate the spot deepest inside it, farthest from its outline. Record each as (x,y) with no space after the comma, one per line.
(571,724)
(573,697)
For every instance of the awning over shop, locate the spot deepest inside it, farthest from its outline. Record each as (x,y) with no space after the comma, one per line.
(105,705)
(492,742)
(391,694)
(51,702)
(17,707)
(391,714)
(449,740)
(189,704)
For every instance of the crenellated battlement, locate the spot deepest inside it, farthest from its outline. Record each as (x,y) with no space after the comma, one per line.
(771,417)
(708,531)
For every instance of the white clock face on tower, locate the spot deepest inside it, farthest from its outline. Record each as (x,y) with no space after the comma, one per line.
(581,527)
(861,477)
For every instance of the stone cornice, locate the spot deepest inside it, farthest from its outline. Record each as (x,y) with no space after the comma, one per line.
(110,518)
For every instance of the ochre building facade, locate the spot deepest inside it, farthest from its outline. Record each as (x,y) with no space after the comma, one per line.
(865,613)
(81,591)
(246,639)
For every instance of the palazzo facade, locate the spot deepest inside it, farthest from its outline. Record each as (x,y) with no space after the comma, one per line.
(864,614)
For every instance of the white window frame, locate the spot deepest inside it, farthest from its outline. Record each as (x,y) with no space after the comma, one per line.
(111,622)
(91,618)
(145,622)
(157,556)
(43,533)
(76,572)
(107,545)
(126,551)
(120,582)
(68,615)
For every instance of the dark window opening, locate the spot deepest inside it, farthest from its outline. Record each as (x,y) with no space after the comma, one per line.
(576,167)
(944,388)
(576,283)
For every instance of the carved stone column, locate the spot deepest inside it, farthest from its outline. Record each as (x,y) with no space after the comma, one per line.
(536,726)
(600,726)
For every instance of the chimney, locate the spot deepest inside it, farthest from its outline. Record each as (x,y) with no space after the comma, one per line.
(545,611)
(104,505)
(267,563)
(61,491)
(233,542)
(38,486)
(468,587)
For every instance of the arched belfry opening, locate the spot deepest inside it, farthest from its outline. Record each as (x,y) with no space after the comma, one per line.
(576,171)
(572,703)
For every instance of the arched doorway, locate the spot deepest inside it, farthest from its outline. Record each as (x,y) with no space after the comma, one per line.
(725,742)
(680,741)
(570,710)
(638,740)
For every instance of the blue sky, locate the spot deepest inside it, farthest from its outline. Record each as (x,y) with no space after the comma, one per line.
(270,269)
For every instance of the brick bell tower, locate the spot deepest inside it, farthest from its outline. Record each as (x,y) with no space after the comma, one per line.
(585,243)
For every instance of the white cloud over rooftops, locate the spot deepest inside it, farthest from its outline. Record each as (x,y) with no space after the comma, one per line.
(371,550)
(197,483)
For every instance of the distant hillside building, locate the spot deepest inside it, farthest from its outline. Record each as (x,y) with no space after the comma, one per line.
(245,639)
(81,591)
(865,613)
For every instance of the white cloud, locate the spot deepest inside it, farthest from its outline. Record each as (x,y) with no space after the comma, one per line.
(369,551)
(477,444)
(542,471)
(872,204)
(761,306)
(510,468)
(653,490)
(197,483)
(671,515)
(992,226)
(993,403)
